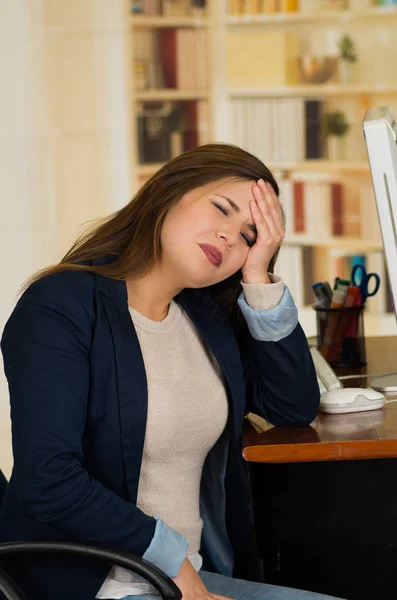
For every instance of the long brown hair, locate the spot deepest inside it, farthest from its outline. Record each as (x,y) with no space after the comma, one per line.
(131,236)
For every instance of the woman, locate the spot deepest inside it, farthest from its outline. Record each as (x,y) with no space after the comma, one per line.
(131,365)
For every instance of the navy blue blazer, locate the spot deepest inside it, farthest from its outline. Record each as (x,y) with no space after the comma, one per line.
(78,396)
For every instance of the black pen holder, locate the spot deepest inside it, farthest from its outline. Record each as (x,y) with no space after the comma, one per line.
(340,335)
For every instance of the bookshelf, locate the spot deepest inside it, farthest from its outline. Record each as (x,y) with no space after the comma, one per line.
(163,21)
(350,244)
(291,18)
(171,80)
(312,166)
(315,91)
(337,222)
(169,94)
(321,166)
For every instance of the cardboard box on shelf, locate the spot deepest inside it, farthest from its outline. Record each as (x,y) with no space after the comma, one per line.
(260,59)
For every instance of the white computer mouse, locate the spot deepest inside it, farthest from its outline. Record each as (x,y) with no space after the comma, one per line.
(345,400)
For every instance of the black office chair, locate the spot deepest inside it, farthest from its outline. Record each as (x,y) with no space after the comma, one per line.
(163,584)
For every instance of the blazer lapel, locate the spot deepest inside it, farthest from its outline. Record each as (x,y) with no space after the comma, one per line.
(131,379)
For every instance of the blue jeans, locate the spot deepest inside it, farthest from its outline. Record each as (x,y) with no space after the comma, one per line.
(239,589)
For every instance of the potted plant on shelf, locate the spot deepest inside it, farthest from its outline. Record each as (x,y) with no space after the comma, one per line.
(347,58)
(335,129)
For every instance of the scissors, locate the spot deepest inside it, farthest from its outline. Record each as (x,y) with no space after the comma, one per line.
(360,278)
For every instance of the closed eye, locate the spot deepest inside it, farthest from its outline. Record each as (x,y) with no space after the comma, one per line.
(223,210)
(219,207)
(250,242)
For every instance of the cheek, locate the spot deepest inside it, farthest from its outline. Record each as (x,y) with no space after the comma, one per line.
(243,253)
(238,259)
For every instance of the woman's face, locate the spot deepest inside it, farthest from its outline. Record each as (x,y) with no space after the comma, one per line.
(206,237)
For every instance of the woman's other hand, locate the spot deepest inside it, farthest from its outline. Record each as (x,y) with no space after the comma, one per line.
(191,585)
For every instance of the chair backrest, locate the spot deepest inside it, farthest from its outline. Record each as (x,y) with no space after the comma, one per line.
(3,485)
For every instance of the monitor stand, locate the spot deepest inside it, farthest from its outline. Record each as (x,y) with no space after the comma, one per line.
(384,383)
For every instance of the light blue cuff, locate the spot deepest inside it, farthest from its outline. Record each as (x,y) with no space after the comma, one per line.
(273,324)
(167,550)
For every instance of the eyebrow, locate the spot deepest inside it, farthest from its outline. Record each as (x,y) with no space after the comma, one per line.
(237,210)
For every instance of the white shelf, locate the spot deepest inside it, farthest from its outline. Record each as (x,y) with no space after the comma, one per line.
(337,242)
(319,17)
(171,94)
(314,90)
(313,166)
(322,166)
(160,21)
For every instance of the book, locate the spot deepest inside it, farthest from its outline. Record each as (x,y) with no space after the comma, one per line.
(271,129)
(288,5)
(290,268)
(287,202)
(167,52)
(140,75)
(183,61)
(201,58)
(154,128)
(369,220)
(299,207)
(176,8)
(203,122)
(235,7)
(317,210)
(337,208)
(190,129)
(322,5)
(198,7)
(152,7)
(137,7)
(351,208)
(313,129)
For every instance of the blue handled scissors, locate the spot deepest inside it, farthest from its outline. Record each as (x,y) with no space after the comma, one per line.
(360,278)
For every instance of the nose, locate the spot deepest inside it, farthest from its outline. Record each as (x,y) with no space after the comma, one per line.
(229,238)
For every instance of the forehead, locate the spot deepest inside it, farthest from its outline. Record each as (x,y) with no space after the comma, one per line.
(238,190)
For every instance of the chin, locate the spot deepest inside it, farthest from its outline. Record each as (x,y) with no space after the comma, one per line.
(202,275)
(198,278)
(196,283)
(205,281)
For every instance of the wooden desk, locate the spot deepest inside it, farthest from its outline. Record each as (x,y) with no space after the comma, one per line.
(325,506)
(350,436)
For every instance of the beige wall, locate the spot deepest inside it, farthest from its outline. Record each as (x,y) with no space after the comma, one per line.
(64,136)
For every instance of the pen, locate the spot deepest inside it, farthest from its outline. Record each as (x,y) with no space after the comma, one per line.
(338,300)
(353,326)
(342,283)
(328,291)
(353,294)
(321,302)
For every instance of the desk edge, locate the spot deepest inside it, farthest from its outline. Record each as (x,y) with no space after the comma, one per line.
(321,451)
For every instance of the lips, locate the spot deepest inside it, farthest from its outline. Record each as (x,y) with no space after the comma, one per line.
(212,253)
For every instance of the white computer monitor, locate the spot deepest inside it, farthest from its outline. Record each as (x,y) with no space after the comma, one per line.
(380,133)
